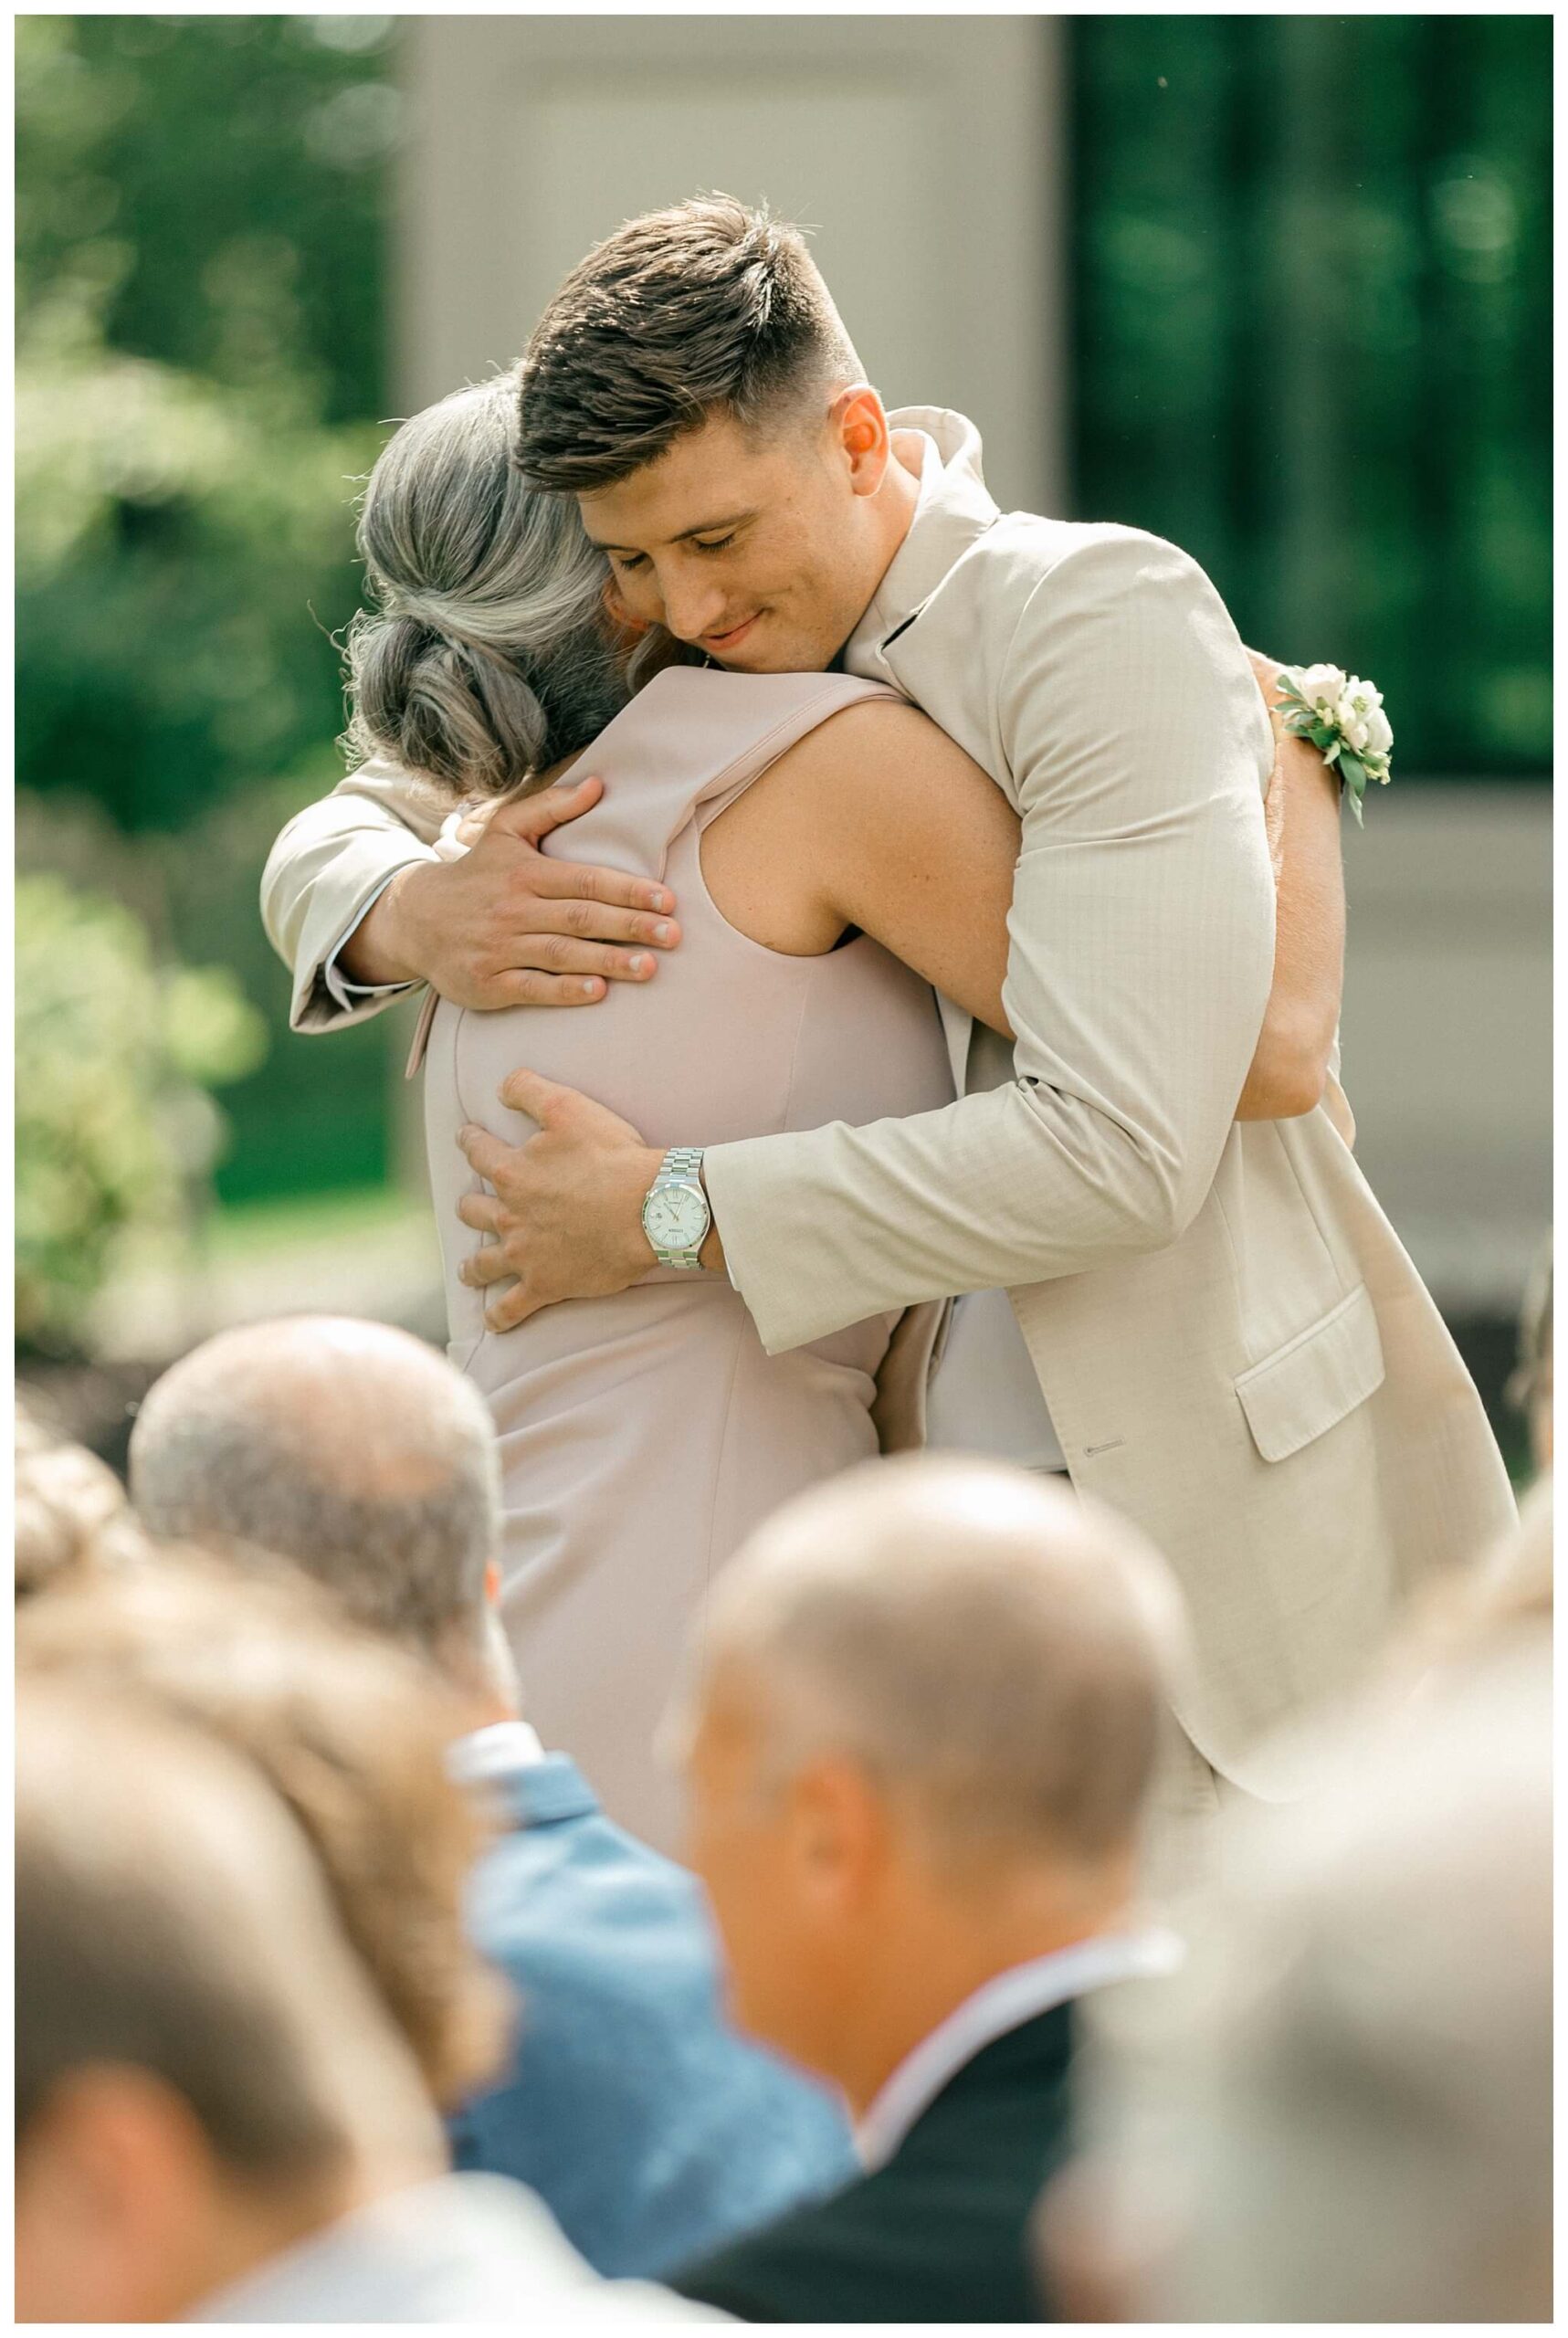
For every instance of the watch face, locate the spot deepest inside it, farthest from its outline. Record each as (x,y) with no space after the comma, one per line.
(676,1219)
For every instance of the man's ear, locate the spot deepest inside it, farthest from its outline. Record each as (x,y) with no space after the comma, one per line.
(840,1834)
(859,422)
(123,2175)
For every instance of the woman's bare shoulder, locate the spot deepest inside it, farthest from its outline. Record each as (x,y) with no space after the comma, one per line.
(870,743)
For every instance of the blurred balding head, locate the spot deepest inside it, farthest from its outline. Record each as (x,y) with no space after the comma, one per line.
(927,1699)
(348,1448)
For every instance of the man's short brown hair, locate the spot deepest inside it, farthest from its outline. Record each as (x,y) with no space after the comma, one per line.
(706,308)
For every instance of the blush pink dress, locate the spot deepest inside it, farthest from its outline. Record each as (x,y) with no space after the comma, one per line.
(643,1436)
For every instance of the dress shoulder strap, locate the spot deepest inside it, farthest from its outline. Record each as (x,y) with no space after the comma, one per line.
(686,746)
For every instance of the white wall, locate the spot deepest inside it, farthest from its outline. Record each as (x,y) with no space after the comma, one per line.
(923,149)
(1447,1027)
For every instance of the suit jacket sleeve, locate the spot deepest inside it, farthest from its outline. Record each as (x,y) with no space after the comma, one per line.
(1142,953)
(325,868)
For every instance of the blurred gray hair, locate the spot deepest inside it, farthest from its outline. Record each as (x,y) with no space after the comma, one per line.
(70,1513)
(979,1640)
(349,1449)
(1348,2118)
(491,658)
(171,1919)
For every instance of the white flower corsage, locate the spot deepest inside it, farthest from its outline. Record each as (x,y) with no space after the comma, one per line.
(1343,717)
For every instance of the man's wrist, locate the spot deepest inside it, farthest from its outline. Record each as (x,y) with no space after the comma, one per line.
(713,1250)
(376,952)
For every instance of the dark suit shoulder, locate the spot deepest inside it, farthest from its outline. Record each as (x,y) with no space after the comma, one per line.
(939,2234)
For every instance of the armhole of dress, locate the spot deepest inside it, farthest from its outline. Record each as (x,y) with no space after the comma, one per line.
(728,785)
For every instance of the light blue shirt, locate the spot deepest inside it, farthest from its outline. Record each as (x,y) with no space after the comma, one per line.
(652,2131)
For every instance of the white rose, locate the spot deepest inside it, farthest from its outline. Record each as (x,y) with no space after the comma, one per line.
(1379,732)
(1361,698)
(1353,726)
(1322,686)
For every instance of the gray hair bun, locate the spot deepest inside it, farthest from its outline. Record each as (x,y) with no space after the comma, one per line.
(490,659)
(455,715)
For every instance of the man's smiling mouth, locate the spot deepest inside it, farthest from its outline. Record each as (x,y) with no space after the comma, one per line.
(718,642)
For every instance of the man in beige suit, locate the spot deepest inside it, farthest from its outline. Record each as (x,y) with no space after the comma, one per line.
(1230,1345)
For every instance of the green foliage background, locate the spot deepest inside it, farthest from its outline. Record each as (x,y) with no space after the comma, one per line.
(1312,261)
(115,1130)
(200,225)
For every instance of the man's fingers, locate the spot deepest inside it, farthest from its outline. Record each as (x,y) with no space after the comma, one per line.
(484,1267)
(578,880)
(513,1308)
(530,819)
(560,953)
(484,1153)
(526,989)
(534,987)
(483,1212)
(544,1100)
(590,920)
(533,816)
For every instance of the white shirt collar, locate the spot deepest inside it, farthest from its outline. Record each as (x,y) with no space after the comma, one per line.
(491,1751)
(997,2007)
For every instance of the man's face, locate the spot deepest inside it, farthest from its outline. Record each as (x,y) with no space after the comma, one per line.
(780,1944)
(758,548)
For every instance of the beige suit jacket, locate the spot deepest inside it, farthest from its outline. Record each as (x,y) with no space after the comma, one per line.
(1235,1349)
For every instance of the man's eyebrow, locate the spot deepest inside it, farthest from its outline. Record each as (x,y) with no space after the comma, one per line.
(702,528)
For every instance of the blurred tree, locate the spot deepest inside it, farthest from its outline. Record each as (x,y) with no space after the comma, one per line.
(116,1133)
(200,323)
(1314,343)
(201,220)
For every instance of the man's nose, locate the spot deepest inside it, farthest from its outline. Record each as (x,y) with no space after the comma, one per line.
(693,605)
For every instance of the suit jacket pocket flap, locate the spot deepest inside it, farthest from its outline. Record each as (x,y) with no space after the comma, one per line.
(1314,1380)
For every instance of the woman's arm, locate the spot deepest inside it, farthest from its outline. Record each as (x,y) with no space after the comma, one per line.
(875,819)
(1289,1071)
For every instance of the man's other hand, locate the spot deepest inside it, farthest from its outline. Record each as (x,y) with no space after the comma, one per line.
(508,925)
(565,1217)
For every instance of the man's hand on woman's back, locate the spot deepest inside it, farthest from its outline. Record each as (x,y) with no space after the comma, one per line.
(508,925)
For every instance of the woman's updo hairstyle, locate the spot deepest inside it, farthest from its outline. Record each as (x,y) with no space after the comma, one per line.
(490,659)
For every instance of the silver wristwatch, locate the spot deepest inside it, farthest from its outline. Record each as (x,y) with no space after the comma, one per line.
(674,1215)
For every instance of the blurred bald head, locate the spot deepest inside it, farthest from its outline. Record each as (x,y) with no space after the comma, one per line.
(985,1643)
(349,1447)
(922,1727)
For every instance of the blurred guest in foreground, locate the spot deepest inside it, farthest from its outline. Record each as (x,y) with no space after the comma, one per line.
(216,2120)
(919,1746)
(1509,1594)
(652,2131)
(1352,2118)
(70,1508)
(350,1733)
